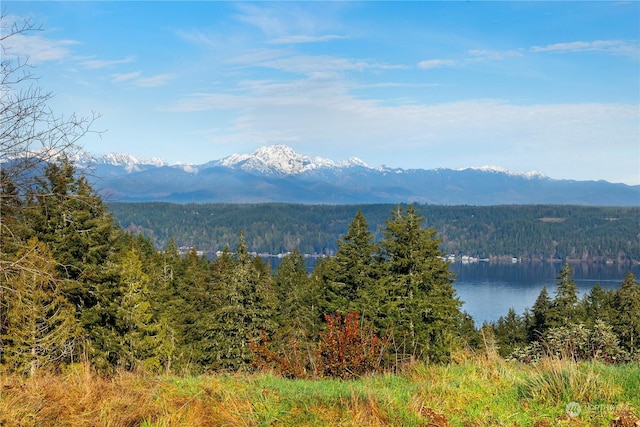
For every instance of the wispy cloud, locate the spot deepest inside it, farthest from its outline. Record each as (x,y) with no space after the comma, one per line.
(620,47)
(311,64)
(436,63)
(102,63)
(38,49)
(493,55)
(135,78)
(154,81)
(288,23)
(491,131)
(119,78)
(305,39)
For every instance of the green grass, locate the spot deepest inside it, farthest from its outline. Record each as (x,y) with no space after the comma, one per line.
(473,392)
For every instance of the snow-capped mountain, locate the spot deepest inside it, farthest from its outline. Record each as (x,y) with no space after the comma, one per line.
(125,159)
(282,160)
(501,170)
(279,174)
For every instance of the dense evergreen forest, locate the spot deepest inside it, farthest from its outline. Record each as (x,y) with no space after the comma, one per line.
(535,232)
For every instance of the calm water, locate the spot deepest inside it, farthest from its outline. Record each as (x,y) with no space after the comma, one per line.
(489,290)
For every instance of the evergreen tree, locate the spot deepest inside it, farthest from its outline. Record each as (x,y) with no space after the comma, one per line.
(246,310)
(510,332)
(138,329)
(12,230)
(627,305)
(598,306)
(355,275)
(72,220)
(421,308)
(539,318)
(40,326)
(298,301)
(169,305)
(564,308)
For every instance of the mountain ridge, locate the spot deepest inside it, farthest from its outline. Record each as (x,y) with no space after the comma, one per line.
(277,173)
(279,157)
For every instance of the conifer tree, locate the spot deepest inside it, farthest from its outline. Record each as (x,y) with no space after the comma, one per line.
(135,322)
(627,306)
(40,326)
(540,312)
(510,332)
(598,306)
(421,308)
(246,310)
(564,307)
(298,311)
(69,216)
(356,274)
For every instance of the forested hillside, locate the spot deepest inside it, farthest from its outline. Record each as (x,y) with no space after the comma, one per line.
(529,232)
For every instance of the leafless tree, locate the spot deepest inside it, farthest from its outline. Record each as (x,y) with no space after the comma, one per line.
(30,132)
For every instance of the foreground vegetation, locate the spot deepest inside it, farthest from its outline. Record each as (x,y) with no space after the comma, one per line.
(478,391)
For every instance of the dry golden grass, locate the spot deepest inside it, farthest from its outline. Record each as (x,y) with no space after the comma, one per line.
(478,391)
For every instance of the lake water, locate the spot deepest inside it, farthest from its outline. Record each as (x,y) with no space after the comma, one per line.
(489,290)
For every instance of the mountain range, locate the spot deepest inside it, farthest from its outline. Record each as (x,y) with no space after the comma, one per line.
(277,173)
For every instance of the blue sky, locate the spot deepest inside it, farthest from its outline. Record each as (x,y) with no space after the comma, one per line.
(545,86)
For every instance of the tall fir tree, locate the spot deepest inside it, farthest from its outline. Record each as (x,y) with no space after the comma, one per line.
(598,306)
(40,328)
(564,307)
(246,310)
(356,271)
(298,311)
(421,308)
(138,328)
(68,215)
(539,318)
(627,305)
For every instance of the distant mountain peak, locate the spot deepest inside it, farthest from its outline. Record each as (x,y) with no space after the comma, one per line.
(126,159)
(499,169)
(129,162)
(281,159)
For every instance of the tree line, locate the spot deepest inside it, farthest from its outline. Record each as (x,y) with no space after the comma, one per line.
(528,232)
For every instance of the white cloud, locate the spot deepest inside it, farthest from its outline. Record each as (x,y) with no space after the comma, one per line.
(118,77)
(604,46)
(101,63)
(37,49)
(154,81)
(305,39)
(436,63)
(492,55)
(323,111)
(312,64)
(136,79)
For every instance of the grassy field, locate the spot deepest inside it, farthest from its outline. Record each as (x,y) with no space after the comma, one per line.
(470,392)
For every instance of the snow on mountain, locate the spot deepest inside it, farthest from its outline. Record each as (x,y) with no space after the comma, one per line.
(498,169)
(125,159)
(283,160)
(278,159)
